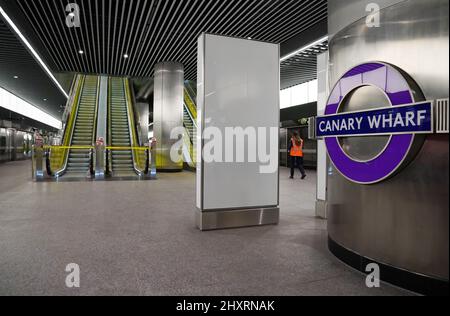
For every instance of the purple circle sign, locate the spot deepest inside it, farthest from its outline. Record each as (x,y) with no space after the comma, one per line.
(388,79)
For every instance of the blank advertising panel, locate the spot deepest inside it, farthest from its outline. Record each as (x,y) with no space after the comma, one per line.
(238,116)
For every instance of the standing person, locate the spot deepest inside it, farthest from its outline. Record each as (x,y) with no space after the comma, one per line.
(296,153)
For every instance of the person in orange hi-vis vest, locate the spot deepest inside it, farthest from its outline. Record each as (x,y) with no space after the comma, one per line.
(296,153)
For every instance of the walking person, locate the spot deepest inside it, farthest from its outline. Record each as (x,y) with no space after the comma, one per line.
(296,153)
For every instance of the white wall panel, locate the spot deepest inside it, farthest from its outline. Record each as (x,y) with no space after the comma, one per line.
(238,87)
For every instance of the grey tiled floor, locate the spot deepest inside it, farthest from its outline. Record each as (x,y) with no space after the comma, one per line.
(139,238)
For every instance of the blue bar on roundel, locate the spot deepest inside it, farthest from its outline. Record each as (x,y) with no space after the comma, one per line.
(414,118)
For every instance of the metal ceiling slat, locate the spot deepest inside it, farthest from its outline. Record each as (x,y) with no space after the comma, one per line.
(150,31)
(190,34)
(165,27)
(142,39)
(77,44)
(134,24)
(180,33)
(190,49)
(60,50)
(187,38)
(117,50)
(38,29)
(93,39)
(160,53)
(248,29)
(48,23)
(211,5)
(276,25)
(88,51)
(153,27)
(123,51)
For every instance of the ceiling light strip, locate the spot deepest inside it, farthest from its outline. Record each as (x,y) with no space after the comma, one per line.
(35,54)
(15,104)
(301,50)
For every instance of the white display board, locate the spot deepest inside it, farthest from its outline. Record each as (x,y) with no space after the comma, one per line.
(238,88)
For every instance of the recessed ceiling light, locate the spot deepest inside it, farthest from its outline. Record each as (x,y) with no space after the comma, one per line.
(45,99)
(126,56)
(16,77)
(81,52)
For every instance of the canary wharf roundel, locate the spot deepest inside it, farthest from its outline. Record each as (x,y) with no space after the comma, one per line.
(392,121)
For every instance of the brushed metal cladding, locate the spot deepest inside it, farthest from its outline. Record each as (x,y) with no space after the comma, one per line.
(213,220)
(240,89)
(168,114)
(365,147)
(343,12)
(143,110)
(403,221)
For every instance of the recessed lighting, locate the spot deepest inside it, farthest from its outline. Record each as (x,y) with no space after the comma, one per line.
(249,38)
(45,100)
(126,56)
(16,77)
(81,52)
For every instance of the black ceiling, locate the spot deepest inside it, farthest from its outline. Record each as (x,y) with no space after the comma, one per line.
(33,84)
(302,67)
(151,31)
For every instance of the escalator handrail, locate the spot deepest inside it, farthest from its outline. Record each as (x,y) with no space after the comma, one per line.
(194,122)
(71,126)
(109,127)
(97,101)
(131,125)
(190,90)
(91,162)
(69,103)
(48,166)
(192,108)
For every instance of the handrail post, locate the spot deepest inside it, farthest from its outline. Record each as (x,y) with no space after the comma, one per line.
(152,159)
(37,163)
(100,159)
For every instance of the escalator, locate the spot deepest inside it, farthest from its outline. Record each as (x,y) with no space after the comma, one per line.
(190,124)
(84,130)
(120,137)
(99,109)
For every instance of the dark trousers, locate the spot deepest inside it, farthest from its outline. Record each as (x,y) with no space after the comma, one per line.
(297,162)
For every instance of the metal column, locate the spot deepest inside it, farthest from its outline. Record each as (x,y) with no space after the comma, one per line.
(168,114)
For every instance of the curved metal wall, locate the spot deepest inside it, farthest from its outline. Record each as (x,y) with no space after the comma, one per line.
(402,222)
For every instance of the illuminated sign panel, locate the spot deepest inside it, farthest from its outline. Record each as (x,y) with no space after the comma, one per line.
(412,118)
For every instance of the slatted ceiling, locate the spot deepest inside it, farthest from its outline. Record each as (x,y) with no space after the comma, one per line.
(302,67)
(151,31)
(11,50)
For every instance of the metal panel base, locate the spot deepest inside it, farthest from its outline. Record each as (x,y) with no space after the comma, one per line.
(321,209)
(224,219)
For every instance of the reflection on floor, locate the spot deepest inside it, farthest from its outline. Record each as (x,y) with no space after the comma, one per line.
(138,238)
